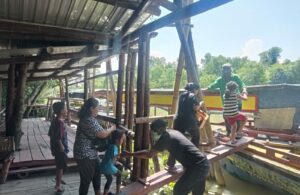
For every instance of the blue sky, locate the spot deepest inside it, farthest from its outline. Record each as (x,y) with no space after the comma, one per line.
(239,28)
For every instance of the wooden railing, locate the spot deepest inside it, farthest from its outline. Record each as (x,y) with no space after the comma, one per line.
(275,154)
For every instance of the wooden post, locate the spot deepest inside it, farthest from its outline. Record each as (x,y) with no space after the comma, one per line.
(120,88)
(61,89)
(112,86)
(131,90)
(146,141)
(127,92)
(0,95)
(191,67)
(190,63)
(181,63)
(18,110)
(68,101)
(131,101)
(93,83)
(138,139)
(86,83)
(10,98)
(107,96)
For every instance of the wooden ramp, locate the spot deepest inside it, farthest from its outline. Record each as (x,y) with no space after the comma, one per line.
(162,178)
(35,153)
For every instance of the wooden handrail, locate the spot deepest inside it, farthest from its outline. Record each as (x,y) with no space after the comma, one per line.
(141,120)
(287,158)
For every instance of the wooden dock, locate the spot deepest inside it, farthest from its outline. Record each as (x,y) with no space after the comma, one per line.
(35,153)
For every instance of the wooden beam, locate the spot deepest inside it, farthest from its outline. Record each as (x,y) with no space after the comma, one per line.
(104,57)
(104,74)
(48,78)
(190,62)
(148,119)
(136,15)
(179,14)
(51,57)
(61,68)
(124,3)
(166,4)
(54,69)
(30,29)
(131,5)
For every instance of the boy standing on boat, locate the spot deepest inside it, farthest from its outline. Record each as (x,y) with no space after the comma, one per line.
(220,83)
(230,109)
(59,142)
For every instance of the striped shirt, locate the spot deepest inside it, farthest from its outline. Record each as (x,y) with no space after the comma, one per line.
(230,107)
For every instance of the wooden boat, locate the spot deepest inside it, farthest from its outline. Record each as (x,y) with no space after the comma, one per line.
(275,162)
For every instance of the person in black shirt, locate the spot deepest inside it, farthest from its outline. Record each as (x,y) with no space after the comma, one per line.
(185,118)
(194,162)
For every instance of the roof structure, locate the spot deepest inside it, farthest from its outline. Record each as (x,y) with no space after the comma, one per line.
(59,37)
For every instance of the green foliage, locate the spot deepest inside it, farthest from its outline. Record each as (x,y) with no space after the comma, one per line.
(162,74)
(270,56)
(167,189)
(253,74)
(212,65)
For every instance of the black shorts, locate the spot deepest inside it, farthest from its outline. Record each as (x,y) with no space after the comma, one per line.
(61,160)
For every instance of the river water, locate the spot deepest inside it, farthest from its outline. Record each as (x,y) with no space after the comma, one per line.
(236,186)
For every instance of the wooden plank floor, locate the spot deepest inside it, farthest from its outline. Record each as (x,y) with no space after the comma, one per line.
(43,184)
(35,144)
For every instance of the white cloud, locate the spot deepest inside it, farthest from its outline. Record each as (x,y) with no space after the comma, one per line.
(156,53)
(252,48)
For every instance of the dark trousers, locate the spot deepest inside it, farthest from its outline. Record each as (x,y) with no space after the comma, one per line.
(193,180)
(109,178)
(89,172)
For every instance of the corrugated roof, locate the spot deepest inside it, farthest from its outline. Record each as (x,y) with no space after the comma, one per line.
(77,14)
(90,15)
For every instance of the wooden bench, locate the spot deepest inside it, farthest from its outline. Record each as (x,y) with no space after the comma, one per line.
(7,146)
(162,178)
